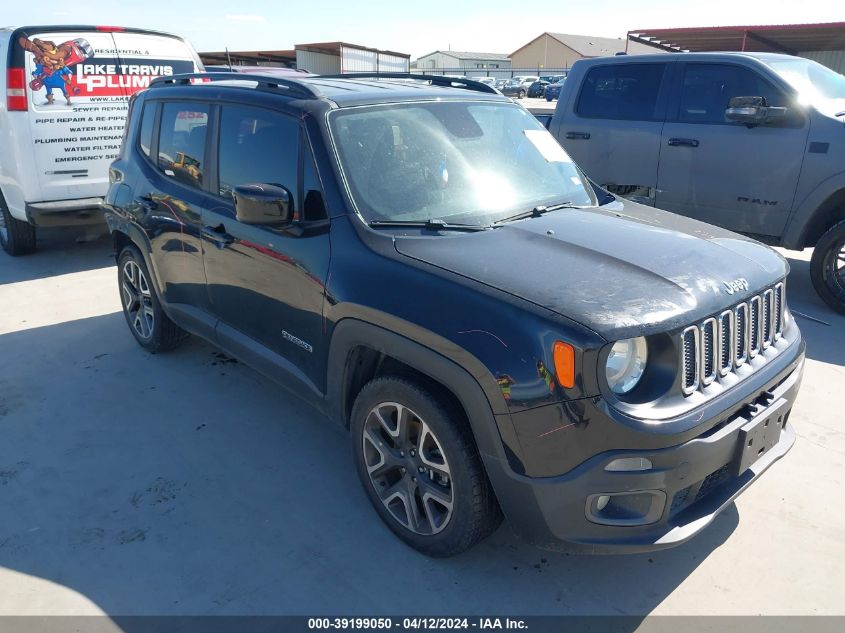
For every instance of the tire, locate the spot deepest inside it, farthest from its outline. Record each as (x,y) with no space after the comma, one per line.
(522,94)
(430,489)
(827,267)
(548,98)
(150,326)
(16,237)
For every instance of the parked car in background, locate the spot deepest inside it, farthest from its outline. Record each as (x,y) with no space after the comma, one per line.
(517,87)
(430,269)
(537,89)
(66,89)
(552,91)
(552,78)
(752,142)
(500,83)
(490,81)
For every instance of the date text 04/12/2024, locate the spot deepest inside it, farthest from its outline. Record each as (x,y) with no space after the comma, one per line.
(417,623)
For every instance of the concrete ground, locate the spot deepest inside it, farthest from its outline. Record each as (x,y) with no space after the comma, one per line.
(185,483)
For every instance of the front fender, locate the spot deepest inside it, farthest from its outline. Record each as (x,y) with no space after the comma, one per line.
(802,218)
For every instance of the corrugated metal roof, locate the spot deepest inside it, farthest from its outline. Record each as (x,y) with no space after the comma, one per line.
(471,55)
(591,46)
(783,38)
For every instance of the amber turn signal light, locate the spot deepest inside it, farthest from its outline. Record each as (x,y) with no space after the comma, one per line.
(564,357)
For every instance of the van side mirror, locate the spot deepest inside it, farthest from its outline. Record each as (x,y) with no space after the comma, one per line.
(753,111)
(263,204)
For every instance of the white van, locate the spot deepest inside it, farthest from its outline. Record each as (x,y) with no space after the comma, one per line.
(66,91)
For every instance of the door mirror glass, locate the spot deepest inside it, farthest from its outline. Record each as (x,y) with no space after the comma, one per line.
(753,111)
(269,205)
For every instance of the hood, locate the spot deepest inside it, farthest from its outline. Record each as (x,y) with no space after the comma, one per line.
(621,270)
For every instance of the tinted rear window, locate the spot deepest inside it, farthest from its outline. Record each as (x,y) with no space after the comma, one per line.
(621,91)
(145,135)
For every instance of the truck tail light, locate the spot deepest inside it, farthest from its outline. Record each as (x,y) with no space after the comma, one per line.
(16,90)
(564,357)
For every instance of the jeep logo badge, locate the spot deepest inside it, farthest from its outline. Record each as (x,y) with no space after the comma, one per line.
(736,285)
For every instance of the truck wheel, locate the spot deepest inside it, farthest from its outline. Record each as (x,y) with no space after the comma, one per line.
(16,237)
(827,267)
(148,323)
(420,468)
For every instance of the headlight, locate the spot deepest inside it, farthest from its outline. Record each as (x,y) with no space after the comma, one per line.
(626,364)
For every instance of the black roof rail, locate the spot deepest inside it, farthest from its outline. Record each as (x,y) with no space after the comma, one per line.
(435,80)
(293,87)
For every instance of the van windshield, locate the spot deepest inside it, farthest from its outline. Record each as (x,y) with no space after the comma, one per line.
(461,162)
(816,84)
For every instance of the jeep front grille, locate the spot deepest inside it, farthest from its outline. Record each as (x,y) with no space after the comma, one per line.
(719,345)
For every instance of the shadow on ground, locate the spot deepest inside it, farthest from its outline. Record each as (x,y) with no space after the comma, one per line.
(60,251)
(187,484)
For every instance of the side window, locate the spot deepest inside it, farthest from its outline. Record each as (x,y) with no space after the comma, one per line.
(257,147)
(145,134)
(707,89)
(181,143)
(621,91)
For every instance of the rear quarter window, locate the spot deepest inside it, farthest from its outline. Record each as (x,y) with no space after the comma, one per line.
(145,131)
(621,91)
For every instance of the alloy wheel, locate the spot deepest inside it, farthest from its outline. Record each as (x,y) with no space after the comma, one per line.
(4,230)
(137,299)
(408,468)
(835,267)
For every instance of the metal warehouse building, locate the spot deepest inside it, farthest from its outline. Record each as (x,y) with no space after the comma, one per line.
(330,58)
(463,60)
(327,58)
(824,43)
(561,50)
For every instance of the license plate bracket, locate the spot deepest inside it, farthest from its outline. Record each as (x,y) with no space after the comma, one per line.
(758,436)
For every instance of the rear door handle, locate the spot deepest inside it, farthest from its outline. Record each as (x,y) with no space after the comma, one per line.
(217,235)
(582,135)
(688,142)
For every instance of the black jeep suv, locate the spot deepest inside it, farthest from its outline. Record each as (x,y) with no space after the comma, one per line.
(424,263)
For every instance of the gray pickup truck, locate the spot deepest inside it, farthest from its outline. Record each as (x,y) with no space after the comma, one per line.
(752,142)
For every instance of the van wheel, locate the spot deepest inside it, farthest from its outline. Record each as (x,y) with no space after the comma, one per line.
(420,468)
(16,237)
(148,323)
(827,267)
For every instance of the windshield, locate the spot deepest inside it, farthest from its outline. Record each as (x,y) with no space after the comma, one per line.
(460,162)
(815,84)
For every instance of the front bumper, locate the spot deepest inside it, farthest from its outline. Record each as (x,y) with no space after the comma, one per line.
(688,484)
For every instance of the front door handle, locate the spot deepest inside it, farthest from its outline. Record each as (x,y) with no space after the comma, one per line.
(687,142)
(217,235)
(582,135)
(147,202)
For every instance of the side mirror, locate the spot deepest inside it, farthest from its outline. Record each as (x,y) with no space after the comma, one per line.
(753,111)
(263,204)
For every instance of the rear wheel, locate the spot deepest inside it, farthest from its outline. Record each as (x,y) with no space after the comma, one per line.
(827,267)
(150,326)
(521,94)
(419,466)
(16,237)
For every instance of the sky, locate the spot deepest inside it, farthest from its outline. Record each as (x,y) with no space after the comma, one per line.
(412,27)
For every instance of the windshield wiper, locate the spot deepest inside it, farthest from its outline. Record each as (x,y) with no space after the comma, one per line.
(432,224)
(537,211)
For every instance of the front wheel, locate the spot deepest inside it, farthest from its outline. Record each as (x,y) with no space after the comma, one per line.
(16,237)
(827,267)
(420,468)
(150,326)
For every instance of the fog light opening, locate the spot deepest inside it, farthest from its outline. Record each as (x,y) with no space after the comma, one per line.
(626,508)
